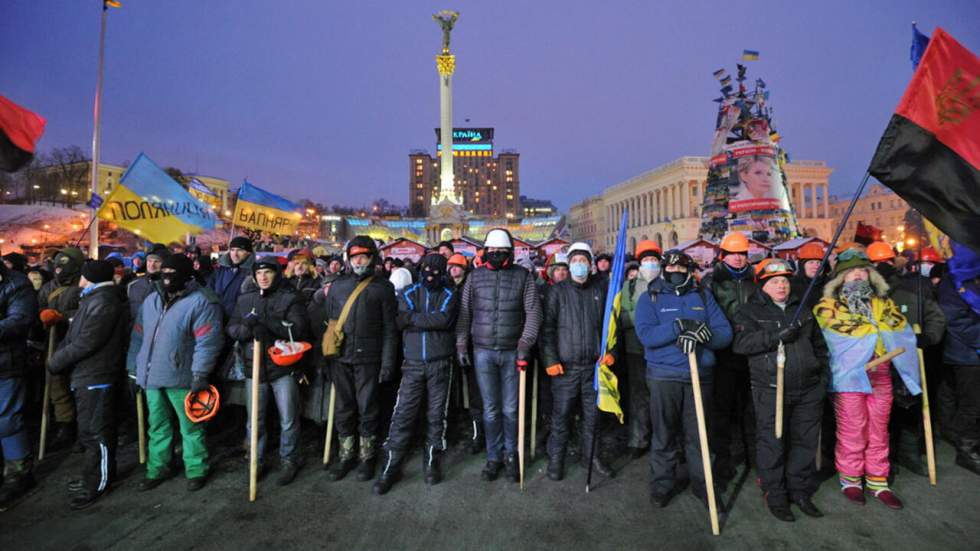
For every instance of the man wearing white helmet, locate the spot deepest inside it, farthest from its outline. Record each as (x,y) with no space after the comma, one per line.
(571,343)
(501,313)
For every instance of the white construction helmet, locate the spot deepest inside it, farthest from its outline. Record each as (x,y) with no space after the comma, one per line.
(579,248)
(498,237)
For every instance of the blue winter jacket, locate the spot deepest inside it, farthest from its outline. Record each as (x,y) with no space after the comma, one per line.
(172,343)
(962,345)
(227,281)
(655,327)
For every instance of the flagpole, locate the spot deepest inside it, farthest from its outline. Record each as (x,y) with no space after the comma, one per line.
(93,249)
(830,247)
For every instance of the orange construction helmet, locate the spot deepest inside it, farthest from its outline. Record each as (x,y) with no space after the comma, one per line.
(735,242)
(880,251)
(457,260)
(811,251)
(202,406)
(931,255)
(649,247)
(848,245)
(286,353)
(772,267)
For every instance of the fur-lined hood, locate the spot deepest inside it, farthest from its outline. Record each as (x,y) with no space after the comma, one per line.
(878,283)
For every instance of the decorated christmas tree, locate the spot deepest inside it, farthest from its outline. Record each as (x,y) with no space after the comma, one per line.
(746,189)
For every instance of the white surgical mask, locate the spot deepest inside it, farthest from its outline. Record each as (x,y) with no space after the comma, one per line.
(650,270)
(579,271)
(925,268)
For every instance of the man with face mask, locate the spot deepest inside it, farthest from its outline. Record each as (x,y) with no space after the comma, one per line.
(905,425)
(427,318)
(571,344)
(501,312)
(369,348)
(174,346)
(234,270)
(555,271)
(58,302)
(731,282)
(674,318)
(142,287)
(261,314)
(648,254)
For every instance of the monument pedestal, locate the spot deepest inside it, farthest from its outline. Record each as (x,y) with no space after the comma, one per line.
(446,222)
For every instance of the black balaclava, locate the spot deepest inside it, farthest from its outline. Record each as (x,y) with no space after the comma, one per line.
(68,265)
(176,281)
(434,271)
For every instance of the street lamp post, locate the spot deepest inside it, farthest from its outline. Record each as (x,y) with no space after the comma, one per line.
(93,250)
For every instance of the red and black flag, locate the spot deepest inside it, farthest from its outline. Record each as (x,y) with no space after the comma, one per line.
(20,130)
(866,234)
(930,152)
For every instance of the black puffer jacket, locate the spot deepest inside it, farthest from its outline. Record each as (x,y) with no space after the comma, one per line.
(756,325)
(730,294)
(572,331)
(428,322)
(371,331)
(96,340)
(500,309)
(272,307)
(798,284)
(18,312)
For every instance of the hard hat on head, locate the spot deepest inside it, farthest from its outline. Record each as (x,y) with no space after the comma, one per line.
(678,258)
(734,242)
(458,260)
(647,248)
(880,251)
(849,245)
(580,249)
(772,267)
(361,244)
(931,255)
(811,251)
(557,259)
(498,238)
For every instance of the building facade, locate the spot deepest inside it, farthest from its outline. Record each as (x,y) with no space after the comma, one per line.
(879,207)
(664,204)
(535,208)
(488,183)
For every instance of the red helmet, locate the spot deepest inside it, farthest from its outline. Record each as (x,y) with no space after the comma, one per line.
(811,251)
(202,406)
(931,255)
(288,353)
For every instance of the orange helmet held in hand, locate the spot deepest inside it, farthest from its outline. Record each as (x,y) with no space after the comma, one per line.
(285,353)
(202,406)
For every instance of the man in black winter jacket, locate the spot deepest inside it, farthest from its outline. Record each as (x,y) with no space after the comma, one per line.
(91,355)
(369,348)
(427,317)
(786,465)
(501,312)
(272,311)
(571,342)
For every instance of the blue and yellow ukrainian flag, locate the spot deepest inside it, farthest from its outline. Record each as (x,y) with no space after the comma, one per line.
(750,55)
(151,204)
(258,209)
(604,382)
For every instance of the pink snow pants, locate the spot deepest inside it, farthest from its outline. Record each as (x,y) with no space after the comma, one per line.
(862,427)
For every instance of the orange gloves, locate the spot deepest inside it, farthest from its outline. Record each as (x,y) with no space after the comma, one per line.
(51,317)
(608,360)
(555,370)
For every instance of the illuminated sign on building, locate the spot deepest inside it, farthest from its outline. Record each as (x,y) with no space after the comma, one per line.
(470,136)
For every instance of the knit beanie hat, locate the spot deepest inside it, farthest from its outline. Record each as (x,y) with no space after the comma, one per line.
(98,271)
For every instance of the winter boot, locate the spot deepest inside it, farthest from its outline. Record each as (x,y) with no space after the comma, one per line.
(287,471)
(431,466)
(62,437)
(600,466)
(18,480)
(491,471)
(511,469)
(968,454)
(556,466)
(391,472)
(368,456)
(345,459)
(478,441)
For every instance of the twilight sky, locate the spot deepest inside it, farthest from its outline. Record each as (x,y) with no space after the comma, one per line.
(323,99)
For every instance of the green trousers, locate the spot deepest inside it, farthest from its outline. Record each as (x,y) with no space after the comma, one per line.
(163,405)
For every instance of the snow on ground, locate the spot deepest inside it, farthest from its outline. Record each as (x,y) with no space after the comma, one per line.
(39,225)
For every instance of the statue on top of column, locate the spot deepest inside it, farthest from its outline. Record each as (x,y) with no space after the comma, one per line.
(446,20)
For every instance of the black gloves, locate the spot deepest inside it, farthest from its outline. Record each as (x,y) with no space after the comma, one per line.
(699,329)
(199,383)
(463,358)
(404,319)
(687,342)
(921,341)
(789,333)
(387,375)
(261,333)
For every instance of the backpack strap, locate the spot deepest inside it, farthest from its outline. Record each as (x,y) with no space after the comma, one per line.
(350,300)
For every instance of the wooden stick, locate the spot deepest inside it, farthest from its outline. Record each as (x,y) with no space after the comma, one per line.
(534,410)
(329,441)
(520,425)
(253,466)
(819,449)
(927,422)
(141,422)
(870,366)
(46,400)
(709,479)
(466,388)
(780,387)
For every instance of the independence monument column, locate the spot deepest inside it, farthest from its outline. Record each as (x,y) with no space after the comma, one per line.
(446,64)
